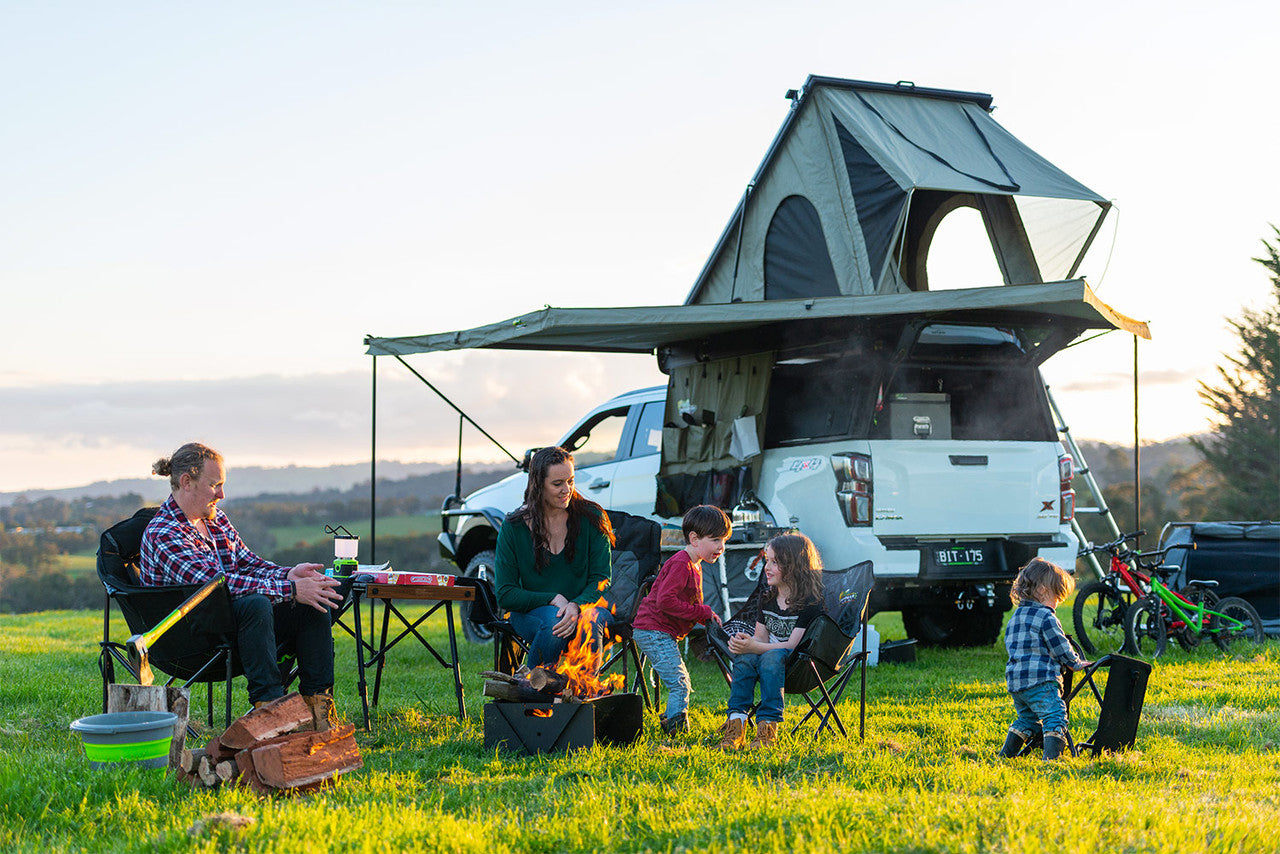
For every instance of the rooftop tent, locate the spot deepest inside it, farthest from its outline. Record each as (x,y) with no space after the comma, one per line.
(857,180)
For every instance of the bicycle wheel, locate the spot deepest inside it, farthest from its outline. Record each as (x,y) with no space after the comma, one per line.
(1239,621)
(1188,637)
(1098,615)
(1145,628)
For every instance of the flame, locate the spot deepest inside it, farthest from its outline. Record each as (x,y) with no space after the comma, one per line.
(540,713)
(582,659)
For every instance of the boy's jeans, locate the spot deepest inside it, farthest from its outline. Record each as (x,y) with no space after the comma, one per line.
(1040,708)
(770,670)
(664,654)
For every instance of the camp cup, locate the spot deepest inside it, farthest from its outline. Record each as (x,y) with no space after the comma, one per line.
(138,739)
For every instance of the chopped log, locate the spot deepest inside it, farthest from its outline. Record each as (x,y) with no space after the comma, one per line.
(189,760)
(513,692)
(155,698)
(547,681)
(277,717)
(226,771)
(204,770)
(217,751)
(308,758)
(498,676)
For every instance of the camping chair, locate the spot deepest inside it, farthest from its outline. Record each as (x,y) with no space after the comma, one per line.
(198,648)
(509,649)
(1120,704)
(636,557)
(821,665)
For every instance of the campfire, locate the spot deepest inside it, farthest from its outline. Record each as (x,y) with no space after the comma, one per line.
(545,709)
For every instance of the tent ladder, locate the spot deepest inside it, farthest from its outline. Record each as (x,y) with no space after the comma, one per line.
(1099,507)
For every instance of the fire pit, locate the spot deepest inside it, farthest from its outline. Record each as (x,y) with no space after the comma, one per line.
(550,727)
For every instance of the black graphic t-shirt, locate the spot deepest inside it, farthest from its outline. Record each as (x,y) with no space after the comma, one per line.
(781,623)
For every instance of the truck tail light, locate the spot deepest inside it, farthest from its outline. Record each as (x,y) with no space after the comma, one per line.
(854,489)
(1067,497)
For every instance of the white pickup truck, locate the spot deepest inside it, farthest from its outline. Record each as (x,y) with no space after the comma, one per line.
(936,458)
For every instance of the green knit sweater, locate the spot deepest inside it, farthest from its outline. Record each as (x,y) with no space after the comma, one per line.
(521,587)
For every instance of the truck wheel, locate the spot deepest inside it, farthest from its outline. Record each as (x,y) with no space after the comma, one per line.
(945,625)
(480,566)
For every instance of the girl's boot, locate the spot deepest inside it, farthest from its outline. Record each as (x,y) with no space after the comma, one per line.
(1054,745)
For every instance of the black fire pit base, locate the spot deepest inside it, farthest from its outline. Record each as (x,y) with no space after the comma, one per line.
(533,728)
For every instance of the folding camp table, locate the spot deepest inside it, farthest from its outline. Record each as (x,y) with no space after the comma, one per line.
(370,653)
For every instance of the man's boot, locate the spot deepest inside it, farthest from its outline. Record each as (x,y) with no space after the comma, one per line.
(323,714)
(766,734)
(1055,743)
(1013,743)
(735,733)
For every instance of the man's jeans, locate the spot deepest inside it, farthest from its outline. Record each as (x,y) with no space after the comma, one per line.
(264,630)
(664,654)
(544,647)
(1040,708)
(770,670)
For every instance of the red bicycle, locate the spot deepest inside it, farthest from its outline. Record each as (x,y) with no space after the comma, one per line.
(1101,606)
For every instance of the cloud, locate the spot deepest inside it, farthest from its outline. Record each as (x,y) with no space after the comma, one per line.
(1116,381)
(317,419)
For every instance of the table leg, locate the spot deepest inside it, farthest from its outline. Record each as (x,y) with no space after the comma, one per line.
(453,652)
(387,608)
(361,686)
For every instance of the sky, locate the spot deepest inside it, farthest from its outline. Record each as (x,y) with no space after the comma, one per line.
(206,207)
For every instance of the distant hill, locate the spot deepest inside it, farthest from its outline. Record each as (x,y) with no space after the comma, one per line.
(251,481)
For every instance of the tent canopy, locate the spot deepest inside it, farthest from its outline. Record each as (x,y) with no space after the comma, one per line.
(644,329)
(857,180)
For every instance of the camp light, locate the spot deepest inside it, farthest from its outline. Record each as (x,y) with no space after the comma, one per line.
(346,546)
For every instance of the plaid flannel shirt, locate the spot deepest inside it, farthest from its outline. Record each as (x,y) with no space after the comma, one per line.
(1038,648)
(173,552)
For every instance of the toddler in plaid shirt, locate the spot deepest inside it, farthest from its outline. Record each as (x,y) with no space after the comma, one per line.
(1038,650)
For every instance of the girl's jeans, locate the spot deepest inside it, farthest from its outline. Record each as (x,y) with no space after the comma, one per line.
(1040,708)
(768,669)
(664,654)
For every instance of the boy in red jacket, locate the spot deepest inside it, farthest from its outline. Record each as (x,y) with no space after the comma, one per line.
(674,606)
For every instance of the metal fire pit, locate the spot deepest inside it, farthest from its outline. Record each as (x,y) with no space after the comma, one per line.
(533,728)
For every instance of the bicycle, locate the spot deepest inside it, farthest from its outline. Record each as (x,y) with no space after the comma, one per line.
(1151,619)
(1102,607)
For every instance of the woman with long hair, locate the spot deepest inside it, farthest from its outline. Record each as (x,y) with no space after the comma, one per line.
(553,558)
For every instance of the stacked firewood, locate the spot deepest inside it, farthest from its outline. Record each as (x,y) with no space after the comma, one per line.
(537,685)
(265,751)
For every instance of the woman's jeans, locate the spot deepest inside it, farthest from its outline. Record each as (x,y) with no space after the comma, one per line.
(664,654)
(544,647)
(768,669)
(1040,708)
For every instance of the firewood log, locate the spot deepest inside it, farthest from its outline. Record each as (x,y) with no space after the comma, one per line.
(275,718)
(547,681)
(204,770)
(190,759)
(226,771)
(514,692)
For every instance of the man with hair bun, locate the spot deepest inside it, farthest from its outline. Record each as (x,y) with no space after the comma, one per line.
(191,541)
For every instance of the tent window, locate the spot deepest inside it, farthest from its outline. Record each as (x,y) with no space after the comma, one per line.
(796,261)
(960,254)
(878,197)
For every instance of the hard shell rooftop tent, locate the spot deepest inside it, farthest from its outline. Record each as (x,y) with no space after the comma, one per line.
(850,193)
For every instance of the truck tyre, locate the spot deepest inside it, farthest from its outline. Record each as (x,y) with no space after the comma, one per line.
(945,625)
(480,566)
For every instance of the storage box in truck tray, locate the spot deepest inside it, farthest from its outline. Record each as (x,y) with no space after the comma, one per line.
(920,415)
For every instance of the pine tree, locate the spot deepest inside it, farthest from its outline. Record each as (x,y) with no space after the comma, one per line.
(1244,448)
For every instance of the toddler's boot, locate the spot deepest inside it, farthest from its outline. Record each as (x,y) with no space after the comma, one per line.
(766,734)
(1054,745)
(1013,743)
(735,734)
(676,723)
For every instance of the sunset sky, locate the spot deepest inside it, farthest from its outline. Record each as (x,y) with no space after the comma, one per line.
(207,206)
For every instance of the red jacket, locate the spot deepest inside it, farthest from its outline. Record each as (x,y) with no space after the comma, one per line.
(674,604)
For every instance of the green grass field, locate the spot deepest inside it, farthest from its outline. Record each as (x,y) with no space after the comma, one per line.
(1205,775)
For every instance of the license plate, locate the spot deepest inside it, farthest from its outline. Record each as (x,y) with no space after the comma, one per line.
(961,558)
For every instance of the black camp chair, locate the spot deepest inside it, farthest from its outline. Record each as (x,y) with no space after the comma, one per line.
(199,648)
(509,649)
(1119,704)
(821,665)
(636,557)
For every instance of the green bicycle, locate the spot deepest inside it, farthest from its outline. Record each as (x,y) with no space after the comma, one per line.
(1151,619)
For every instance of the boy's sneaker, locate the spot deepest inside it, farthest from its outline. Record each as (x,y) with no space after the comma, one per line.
(679,723)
